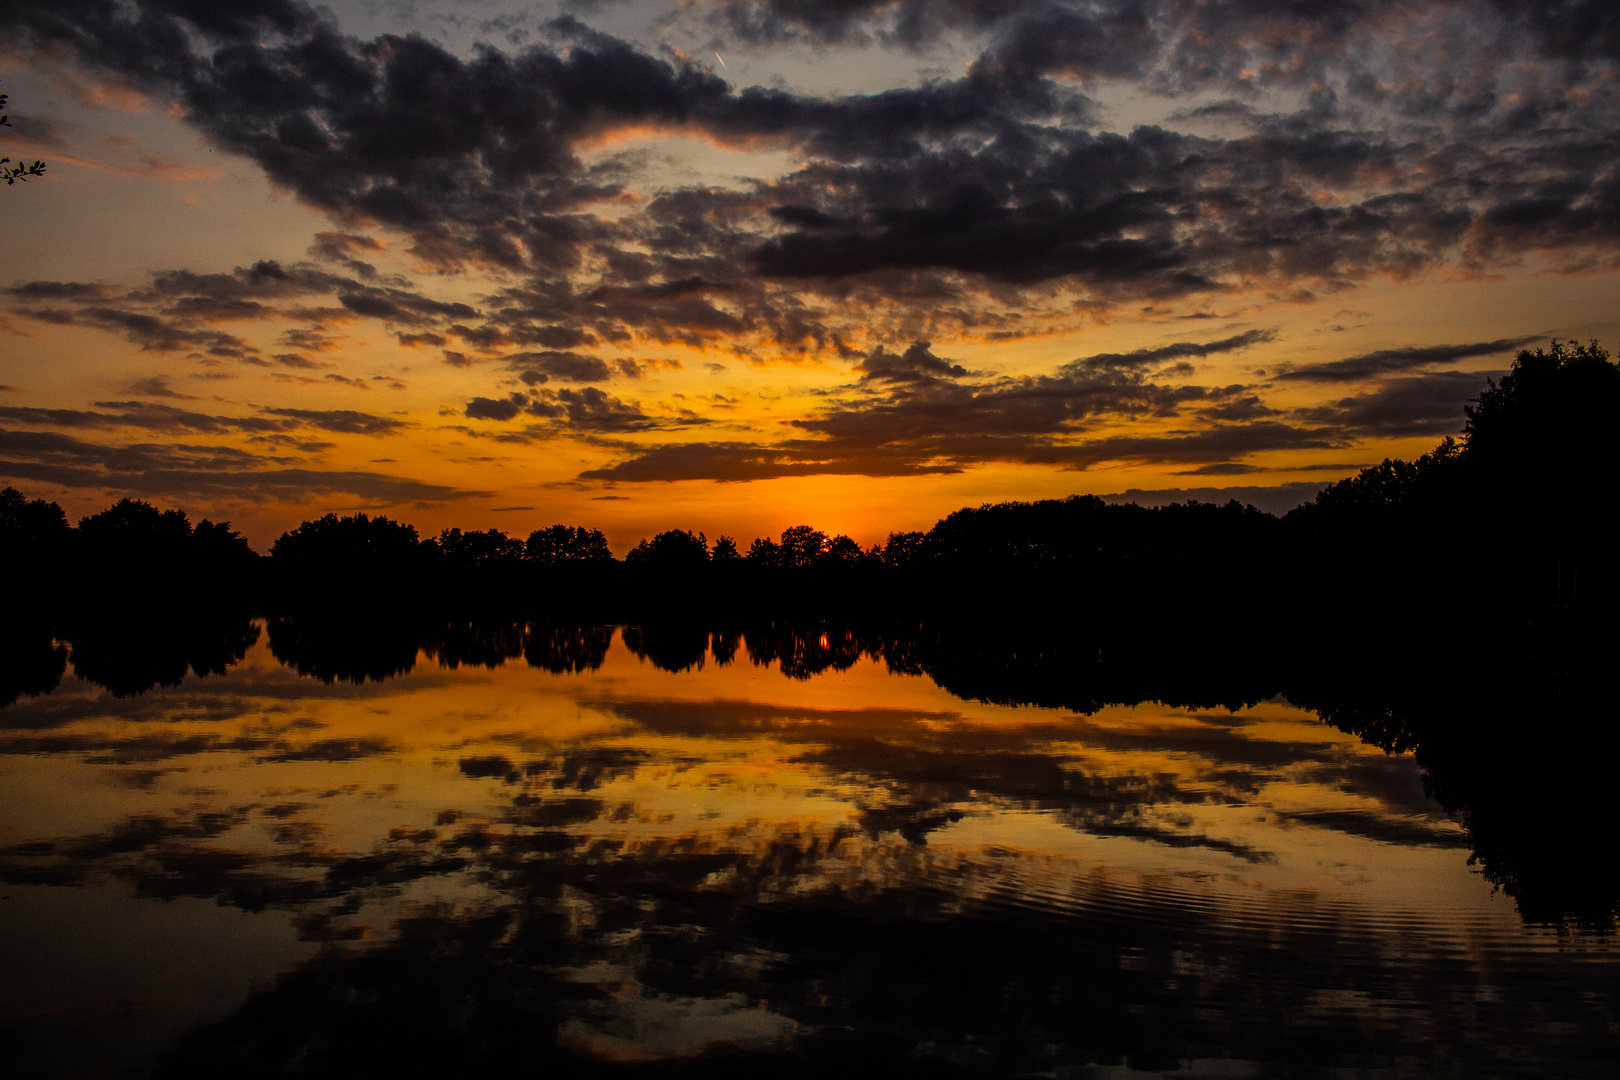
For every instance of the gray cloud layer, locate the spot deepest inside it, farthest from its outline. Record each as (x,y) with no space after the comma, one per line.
(181,470)
(1320,144)
(1418,134)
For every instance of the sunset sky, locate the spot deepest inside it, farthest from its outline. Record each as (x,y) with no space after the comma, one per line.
(734,265)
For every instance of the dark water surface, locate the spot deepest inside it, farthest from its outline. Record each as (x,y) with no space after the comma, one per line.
(734,862)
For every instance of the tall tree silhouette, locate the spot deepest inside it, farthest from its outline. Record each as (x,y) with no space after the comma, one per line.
(560,544)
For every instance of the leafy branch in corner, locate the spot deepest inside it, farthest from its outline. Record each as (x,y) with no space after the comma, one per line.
(22,170)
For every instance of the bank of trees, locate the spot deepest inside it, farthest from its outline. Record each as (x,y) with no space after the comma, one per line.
(1511,517)
(131,553)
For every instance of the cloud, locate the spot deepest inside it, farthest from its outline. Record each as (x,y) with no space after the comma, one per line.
(931,416)
(344,421)
(1429,404)
(176,310)
(990,202)
(1390,361)
(586,410)
(916,365)
(158,386)
(482,408)
(171,420)
(535,368)
(153,333)
(739,461)
(143,414)
(997,174)
(179,470)
(60,290)
(1180,350)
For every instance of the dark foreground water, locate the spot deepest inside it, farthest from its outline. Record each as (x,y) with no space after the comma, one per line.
(591,864)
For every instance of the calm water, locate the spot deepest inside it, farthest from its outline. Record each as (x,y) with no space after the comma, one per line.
(599,864)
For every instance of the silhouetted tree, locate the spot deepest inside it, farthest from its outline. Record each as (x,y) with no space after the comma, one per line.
(1520,506)
(764,552)
(724,551)
(133,528)
(30,523)
(905,549)
(801,546)
(1550,416)
(34,536)
(676,549)
(336,560)
(487,551)
(220,548)
(1540,458)
(841,551)
(133,548)
(1390,485)
(560,544)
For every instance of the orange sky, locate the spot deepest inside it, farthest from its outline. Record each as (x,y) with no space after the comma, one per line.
(855,278)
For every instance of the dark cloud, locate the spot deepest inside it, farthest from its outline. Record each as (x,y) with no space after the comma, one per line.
(1429,404)
(332,750)
(401,306)
(482,408)
(967,203)
(535,368)
(931,416)
(153,333)
(158,386)
(1180,350)
(868,456)
(736,461)
(178,470)
(1390,361)
(146,415)
(345,248)
(991,174)
(60,290)
(176,310)
(909,22)
(344,421)
(170,420)
(916,365)
(585,410)
(264,280)
(1219,443)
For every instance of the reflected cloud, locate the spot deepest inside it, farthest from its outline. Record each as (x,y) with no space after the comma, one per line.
(712,847)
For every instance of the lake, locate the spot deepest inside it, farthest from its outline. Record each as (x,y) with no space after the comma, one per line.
(611,850)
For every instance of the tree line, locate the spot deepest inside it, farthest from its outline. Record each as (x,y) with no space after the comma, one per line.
(1511,516)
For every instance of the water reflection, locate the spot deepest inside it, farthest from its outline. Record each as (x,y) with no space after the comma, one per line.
(773,847)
